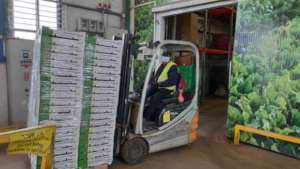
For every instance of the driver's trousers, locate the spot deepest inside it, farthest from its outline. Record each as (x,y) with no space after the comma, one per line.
(156,105)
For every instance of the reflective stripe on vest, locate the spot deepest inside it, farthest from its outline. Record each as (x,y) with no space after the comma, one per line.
(164,75)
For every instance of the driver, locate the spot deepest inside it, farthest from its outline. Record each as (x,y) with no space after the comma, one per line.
(163,83)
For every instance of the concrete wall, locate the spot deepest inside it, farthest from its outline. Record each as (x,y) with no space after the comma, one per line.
(117,5)
(73,10)
(71,13)
(71,16)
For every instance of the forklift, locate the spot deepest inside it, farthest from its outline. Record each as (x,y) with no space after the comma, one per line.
(177,124)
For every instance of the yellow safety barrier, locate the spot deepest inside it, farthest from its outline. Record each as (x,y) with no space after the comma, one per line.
(35,141)
(6,129)
(238,128)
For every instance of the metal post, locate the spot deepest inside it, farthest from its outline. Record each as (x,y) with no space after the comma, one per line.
(127,12)
(37,3)
(59,14)
(205,29)
(2,31)
(166,32)
(174,27)
(204,44)
(230,48)
(106,15)
(103,22)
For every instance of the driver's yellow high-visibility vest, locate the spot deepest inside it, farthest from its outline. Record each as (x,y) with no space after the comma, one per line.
(164,76)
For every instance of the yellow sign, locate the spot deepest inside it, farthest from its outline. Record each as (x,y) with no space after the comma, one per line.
(37,142)
(167,117)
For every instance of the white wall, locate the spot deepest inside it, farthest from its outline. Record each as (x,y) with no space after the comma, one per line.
(3,96)
(71,14)
(19,56)
(117,5)
(70,17)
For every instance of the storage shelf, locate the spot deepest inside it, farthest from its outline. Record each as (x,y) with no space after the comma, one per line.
(211,51)
(221,11)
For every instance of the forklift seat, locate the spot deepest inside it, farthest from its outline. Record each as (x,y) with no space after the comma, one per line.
(170,112)
(172,106)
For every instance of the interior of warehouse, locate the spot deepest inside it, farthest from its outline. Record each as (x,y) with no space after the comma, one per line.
(212,31)
(149,84)
(217,45)
(212,36)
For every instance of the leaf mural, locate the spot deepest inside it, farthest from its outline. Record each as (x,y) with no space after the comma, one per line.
(144,19)
(265,83)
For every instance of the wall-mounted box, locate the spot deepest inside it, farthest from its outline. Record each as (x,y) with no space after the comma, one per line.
(19,58)
(90,25)
(83,24)
(100,27)
(93,25)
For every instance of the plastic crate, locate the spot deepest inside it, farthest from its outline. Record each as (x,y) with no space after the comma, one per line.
(188,73)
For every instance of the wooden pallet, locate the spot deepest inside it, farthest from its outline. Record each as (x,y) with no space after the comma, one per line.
(100,167)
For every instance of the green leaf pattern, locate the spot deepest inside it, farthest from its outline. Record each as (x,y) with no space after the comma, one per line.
(265,78)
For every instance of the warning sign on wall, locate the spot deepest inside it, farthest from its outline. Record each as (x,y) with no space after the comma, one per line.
(36,142)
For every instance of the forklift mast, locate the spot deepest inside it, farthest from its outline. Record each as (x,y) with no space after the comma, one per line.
(123,112)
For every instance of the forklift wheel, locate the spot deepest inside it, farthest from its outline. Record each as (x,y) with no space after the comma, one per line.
(134,150)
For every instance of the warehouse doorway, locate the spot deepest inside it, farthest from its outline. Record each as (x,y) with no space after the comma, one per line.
(211,28)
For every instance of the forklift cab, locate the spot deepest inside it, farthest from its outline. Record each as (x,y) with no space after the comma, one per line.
(186,57)
(173,104)
(178,120)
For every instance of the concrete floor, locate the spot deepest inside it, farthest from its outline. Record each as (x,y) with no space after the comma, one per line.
(210,151)
(12,161)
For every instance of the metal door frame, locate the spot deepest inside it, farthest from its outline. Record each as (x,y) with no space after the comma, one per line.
(160,13)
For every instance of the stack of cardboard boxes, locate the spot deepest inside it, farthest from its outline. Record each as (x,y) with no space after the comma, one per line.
(61,81)
(75,84)
(101,92)
(107,70)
